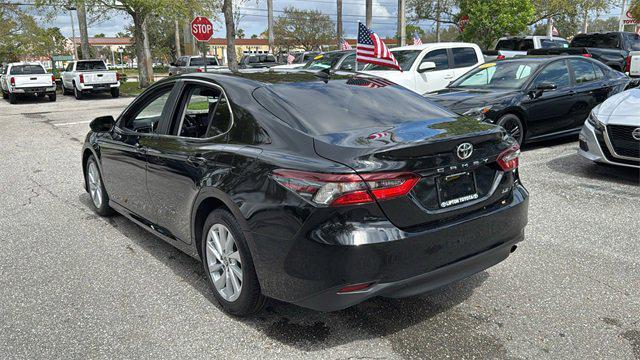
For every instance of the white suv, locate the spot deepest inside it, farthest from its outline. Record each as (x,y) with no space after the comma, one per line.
(429,67)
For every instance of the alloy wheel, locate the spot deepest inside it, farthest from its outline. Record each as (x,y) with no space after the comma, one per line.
(224,263)
(95,187)
(513,128)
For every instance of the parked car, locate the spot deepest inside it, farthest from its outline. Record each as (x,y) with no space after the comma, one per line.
(27,79)
(317,192)
(429,67)
(89,76)
(611,48)
(611,134)
(252,61)
(340,60)
(191,64)
(299,60)
(508,47)
(533,98)
(634,64)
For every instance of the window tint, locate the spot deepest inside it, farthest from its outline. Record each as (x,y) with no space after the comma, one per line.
(349,63)
(439,57)
(607,41)
(633,41)
(149,112)
(504,74)
(556,72)
(205,113)
(583,71)
(553,43)
(515,44)
(600,74)
(69,67)
(27,70)
(324,61)
(464,57)
(197,61)
(90,65)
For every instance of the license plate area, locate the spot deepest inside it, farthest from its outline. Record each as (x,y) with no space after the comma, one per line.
(456,189)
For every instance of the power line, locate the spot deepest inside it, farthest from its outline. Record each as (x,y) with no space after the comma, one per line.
(354,15)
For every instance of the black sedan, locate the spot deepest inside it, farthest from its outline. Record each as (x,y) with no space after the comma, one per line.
(318,191)
(534,98)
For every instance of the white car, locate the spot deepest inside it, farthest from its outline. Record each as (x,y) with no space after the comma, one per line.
(611,134)
(429,67)
(27,78)
(299,60)
(89,76)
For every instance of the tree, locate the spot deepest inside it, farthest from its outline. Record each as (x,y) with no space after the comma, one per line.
(635,9)
(438,11)
(489,20)
(227,10)
(100,36)
(240,33)
(304,28)
(410,30)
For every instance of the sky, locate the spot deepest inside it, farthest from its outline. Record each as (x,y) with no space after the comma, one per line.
(255,20)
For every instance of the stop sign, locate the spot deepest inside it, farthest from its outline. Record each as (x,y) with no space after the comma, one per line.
(201,28)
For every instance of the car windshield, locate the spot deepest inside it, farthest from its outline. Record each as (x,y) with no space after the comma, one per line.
(324,61)
(606,41)
(405,60)
(197,61)
(503,75)
(27,70)
(90,65)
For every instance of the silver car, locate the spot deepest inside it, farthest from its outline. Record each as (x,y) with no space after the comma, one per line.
(611,134)
(191,64)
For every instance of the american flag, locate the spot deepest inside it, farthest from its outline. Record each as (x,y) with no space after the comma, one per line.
(371,49)
(290,59)
(416,39)
(374,83)
(344,45)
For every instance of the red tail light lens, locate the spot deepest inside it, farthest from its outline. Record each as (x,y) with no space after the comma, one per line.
(81,79)
(627,67)
(501,57)
(354,288)
(199,70)
(13,81)
(117,76)
(508,159)
(345,189)
(53,79)
(587,55)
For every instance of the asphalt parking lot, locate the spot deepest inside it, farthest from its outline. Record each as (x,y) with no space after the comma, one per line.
(74,285)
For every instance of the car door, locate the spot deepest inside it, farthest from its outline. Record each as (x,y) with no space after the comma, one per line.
(67,76)
(464,59)
(550,111)
(434,79)
(123,151)
(589,89)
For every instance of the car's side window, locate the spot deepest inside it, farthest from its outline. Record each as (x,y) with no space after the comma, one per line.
(599,72)
(69,67)
(148,114)
(439,57)
(464,57)
(583,71)
(557,72)
(205,112)
(349,63)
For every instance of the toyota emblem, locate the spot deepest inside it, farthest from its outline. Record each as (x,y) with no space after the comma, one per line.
(636,134)
(464,151)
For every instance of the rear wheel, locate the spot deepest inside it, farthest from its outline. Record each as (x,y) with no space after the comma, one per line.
(513,125)
(4,95)
(52,97)
(97,192)
(12,98)
(115,92)
(229,265)
(77,93)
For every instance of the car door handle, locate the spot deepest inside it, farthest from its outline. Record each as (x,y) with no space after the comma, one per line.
(448,77)
(197,161)
(571,93)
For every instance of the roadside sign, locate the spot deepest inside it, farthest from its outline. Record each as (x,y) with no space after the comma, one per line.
(201,28)
(628,19)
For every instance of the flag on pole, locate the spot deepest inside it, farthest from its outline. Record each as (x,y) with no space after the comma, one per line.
(554,31)
(416,39)
(344,45)
(372,50)
(290,59)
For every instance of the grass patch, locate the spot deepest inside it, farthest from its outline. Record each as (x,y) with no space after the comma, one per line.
(130,89)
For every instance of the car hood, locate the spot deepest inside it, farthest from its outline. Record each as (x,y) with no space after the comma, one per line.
(621,109)
(460,100)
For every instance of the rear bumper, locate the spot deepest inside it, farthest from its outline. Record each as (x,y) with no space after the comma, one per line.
(36,90)
(96,88)
(309,273)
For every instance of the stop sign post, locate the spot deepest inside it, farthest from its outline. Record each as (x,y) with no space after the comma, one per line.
(202,30)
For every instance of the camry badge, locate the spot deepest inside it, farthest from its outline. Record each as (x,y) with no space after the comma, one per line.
(464,151)
(636,134)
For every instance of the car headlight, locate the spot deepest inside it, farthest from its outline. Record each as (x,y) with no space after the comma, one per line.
(595,122)
(478,113)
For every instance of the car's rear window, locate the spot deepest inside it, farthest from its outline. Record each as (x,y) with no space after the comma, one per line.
(341,105)
(515,44)
(197,61)
(633,41)
(605,41)
(90,65)
(27,70)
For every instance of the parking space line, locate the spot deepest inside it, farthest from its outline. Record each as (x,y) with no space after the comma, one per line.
(73,123)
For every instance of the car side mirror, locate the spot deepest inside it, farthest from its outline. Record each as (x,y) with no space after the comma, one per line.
(102,124)
(426,66)
(546,86)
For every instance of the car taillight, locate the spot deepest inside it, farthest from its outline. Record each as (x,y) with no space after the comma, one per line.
(117,76)
(346,189)
(501,57)
(354,288)
(587,55)
(53,79)
(627,67)
(81,79)
(13,81)
(199,70)
(508,159)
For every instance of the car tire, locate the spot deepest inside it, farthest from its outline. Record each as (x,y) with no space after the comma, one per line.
(115,92)
(13,99)
(223,261)
(52,97)
(4,95)
(95,186)
(77,93)
(64,89)
(514,126)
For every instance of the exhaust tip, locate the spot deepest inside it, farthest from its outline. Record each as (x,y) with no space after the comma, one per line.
(513,249)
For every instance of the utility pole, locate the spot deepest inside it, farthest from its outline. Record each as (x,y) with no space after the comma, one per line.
(73,33)
(623,11)
(402,29)
(549,26)
(339,20)
(270,23)
(177,38)
(369,12)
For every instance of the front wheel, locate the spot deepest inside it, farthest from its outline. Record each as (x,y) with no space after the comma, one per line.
(229,265)
(513,125)
(4,95)
(115,92)
(97,192)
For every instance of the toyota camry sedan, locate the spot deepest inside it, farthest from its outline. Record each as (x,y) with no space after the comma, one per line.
(611,134)
(322,191)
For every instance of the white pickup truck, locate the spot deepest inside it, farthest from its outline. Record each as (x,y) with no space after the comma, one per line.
(429,67)
(27,78)
(89,76)
(634,64)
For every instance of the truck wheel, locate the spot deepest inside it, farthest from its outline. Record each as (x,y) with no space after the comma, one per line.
(77,93)
(4,95)
(115,92)
(12,98)
(52,97)
(64,89)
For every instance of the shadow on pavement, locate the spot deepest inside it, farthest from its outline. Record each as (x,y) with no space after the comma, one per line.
(576,165)
(550,143)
